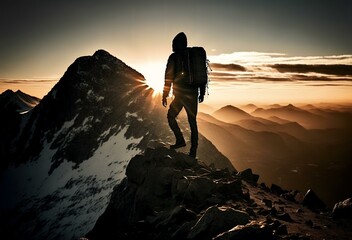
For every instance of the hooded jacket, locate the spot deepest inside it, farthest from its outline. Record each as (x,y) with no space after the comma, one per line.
(176,73)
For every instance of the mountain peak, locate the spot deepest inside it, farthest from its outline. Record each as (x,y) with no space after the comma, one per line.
(233,109)
(7,92)
(230,114)
(93,91)
(102,54)
(290,106)
(17,101)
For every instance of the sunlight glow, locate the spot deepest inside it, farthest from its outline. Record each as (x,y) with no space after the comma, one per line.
(154,76)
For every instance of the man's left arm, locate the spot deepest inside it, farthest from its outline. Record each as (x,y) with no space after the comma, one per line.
(201,93)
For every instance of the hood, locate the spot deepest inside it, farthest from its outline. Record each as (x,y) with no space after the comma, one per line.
(179,43)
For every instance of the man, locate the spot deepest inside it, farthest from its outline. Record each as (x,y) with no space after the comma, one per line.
(186,95)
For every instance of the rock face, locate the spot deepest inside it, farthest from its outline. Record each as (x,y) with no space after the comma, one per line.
(168,195)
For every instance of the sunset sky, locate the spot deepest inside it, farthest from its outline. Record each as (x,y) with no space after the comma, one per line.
(245,40)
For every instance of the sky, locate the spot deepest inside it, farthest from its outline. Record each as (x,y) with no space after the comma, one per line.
(41,38)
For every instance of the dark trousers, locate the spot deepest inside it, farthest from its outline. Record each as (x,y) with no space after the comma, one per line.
(190,103)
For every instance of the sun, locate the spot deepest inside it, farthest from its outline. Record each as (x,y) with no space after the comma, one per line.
(154,76)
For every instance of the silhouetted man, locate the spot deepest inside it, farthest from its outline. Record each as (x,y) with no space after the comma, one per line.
(186,95)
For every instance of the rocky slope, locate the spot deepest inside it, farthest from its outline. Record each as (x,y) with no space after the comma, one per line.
(167,195)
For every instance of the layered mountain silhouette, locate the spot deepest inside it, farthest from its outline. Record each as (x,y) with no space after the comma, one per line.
(13,105)
(277,143)
(306,118)
(65,155)
(89,159)
(17,101)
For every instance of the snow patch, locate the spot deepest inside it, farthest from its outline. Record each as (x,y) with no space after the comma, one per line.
(106,67)
(53,93)
(24,112)
(93,97)
(128,114)
(68,201)
(105,133)
(68,124)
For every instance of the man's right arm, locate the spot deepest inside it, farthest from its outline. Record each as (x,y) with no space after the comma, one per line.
(169,77)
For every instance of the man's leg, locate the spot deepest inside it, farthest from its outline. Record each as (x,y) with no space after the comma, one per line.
(174,110)
(191,107)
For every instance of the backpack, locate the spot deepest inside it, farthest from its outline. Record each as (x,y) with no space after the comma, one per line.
(197,66)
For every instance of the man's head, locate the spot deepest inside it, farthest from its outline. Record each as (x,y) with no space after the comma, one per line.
(180,42)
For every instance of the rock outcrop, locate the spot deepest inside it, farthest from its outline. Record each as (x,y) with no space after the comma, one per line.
(168,195)
(343,209)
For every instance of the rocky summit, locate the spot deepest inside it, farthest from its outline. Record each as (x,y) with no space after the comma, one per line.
(168,195)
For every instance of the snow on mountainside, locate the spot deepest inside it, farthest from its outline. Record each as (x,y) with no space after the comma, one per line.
(75,146)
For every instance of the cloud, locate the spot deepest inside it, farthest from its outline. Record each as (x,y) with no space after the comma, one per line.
(256,67)
(260,58)
(227,67)
(315,77)
(27,81)
(339,70)
(328,85)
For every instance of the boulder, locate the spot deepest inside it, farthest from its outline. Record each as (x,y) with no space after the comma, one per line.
(198,190)
(248,176)
(136,170)
(232,188)
(343,209)
(216,220)
(178,215)
(252,231)
(277,189)
(312,201)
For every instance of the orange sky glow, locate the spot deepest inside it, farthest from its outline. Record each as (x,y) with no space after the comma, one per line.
(260,51)
(258,82)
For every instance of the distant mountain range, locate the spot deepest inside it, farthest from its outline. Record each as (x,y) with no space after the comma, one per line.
(12,106)
(17,101)
(297,148)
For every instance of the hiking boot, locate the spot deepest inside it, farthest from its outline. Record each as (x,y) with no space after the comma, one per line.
(178,144)
(193,152)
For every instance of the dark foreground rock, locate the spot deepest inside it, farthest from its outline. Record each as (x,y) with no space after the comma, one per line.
(343,209)
(168,195)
